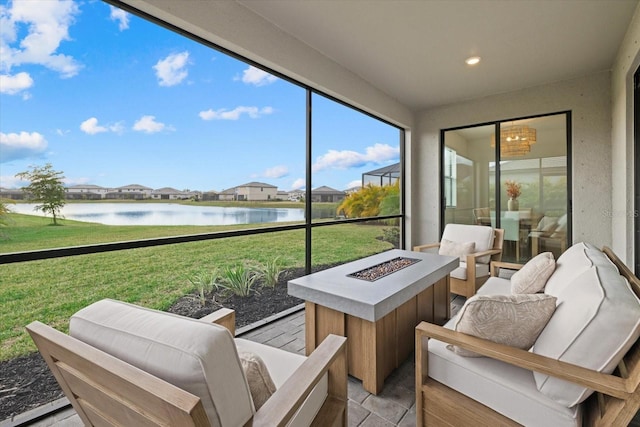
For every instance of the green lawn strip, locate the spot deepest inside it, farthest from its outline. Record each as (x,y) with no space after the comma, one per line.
(52,290)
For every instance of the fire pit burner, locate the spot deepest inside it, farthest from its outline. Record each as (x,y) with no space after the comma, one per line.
(383,269)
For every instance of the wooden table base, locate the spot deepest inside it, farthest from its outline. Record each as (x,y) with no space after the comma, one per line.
(375,349)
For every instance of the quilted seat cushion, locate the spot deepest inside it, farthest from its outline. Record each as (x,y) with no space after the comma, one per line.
(195,356)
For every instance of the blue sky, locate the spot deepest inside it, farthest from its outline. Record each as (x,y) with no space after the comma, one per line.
(110,99)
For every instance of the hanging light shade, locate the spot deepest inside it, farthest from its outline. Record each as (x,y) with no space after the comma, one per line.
(515,140)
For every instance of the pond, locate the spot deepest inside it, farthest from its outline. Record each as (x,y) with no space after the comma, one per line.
(166,214)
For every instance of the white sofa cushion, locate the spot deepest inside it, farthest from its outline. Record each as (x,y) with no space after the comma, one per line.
(195,356)
(533,276)
(596,321)
(569,265)
(460,272)
(480,234)
(513,320)
(508,390)
(281,365)
(458,249)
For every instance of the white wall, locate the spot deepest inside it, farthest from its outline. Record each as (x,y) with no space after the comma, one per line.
(588,98)
(623,212)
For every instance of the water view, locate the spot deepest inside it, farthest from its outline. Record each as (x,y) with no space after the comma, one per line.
(166,214)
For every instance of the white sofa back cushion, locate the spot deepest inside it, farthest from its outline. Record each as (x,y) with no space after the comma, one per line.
(569,265)
(481,235)
(195,356)
(596,321)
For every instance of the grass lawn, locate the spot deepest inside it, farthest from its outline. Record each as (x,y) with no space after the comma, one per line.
(52,290)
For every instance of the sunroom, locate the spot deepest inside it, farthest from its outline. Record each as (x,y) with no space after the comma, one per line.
(565,70)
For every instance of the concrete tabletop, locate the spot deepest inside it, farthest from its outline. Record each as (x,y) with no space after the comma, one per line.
(367,300)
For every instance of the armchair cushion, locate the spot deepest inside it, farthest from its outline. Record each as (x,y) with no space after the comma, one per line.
(459,249)
(195,356)
(533,276)
(281,365)
(482,270)
(481,235)
(513,320)
(260,383)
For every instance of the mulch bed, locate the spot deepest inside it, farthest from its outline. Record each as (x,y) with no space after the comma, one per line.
(26,382)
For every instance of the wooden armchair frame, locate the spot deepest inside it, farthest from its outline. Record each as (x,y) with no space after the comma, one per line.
(105,390)
(615,403)
(468,287)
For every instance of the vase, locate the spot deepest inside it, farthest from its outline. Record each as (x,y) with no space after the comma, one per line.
(513,204)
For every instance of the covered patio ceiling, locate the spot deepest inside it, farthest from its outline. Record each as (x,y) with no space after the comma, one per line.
(414,50)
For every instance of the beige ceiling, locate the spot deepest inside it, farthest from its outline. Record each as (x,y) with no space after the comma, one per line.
(414,50)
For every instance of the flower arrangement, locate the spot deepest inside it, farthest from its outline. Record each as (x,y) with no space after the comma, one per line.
(513,189)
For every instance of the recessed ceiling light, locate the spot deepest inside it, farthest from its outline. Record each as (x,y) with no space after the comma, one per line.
(472,60)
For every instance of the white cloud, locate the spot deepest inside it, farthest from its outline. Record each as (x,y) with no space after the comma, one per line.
(276,172)
(354,183)
(346,159)
(91,126)
(9,181)
(148,124)
(76,181)
(20,145)
(117,128)
(298,183)
(120,16)
(171,70)
(47,24)
(13,84)
(257,77)
(224,114)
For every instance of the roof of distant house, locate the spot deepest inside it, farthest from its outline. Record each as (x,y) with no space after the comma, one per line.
(325,189)
(394,168)
(134,187)
(256,184)
(166,190)
(91,186)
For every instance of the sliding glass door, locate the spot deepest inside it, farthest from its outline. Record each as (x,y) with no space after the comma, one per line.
(518,182)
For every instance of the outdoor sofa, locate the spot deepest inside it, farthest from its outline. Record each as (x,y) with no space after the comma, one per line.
(576,322)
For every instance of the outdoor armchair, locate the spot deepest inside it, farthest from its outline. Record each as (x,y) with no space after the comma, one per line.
(476,245)
(126,365)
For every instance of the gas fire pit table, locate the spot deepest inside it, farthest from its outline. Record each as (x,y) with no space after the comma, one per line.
(376,302)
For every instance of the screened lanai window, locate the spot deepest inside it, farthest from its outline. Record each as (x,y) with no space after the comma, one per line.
(180,161)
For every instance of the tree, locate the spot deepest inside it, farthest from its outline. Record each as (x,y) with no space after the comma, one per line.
(45,188)
(4,211)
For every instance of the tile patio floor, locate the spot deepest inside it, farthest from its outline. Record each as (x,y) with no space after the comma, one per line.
(394,406)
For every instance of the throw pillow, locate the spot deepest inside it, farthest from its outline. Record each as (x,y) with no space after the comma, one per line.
(513,320)
(459,249)
(261,385)
(533,276)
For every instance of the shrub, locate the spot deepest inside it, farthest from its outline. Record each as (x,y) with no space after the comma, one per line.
(238,280)
(391,235)
(204,281)
(270,272)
